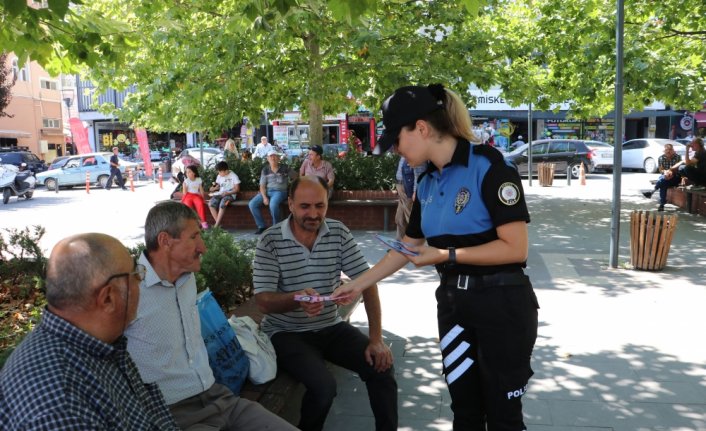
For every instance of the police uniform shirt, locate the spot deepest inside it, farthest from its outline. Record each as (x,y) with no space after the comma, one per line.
(462,205)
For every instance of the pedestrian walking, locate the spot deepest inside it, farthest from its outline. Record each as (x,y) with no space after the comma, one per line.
(115,171)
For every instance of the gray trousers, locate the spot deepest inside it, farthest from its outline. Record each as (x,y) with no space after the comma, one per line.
(219,409)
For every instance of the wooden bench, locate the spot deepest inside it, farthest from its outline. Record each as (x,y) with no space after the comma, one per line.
(282,395)
(692,201)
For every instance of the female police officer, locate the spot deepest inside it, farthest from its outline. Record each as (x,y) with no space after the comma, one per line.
(470,209)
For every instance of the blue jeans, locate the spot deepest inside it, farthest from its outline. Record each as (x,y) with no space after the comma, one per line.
(663,184)
(276,198)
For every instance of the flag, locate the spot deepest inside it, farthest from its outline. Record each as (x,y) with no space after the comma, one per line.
(144,150)
(80,136)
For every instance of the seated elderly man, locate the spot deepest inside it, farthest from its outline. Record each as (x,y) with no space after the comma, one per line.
(73,371)
(274,180)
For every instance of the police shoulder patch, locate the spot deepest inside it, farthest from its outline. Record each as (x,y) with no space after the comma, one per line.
(509,193)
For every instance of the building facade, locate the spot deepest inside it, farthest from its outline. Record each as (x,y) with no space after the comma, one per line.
(35,121)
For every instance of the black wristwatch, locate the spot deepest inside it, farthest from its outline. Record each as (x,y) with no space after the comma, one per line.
(452,256)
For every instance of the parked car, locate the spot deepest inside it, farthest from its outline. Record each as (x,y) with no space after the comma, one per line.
(602,155)
(644,153)
(74,171)
(564,153)
(58,162)
(17,157)
(189,156)
(684,141)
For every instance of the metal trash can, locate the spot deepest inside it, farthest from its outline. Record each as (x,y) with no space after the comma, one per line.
(546,174)
(650,238)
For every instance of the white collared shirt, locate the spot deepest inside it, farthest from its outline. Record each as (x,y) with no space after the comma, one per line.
(165,339)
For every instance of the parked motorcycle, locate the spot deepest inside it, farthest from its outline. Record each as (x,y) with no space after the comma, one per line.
(16,182)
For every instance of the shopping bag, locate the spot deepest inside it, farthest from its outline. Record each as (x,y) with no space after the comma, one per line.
(258,348)
(226,357)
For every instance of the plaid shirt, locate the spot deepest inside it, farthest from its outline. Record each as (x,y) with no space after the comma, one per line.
(61,378)
(665,163)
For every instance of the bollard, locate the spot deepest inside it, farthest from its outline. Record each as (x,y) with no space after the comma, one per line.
(132,183)
(88,182)
(56,186)
(160,179)
(582,175)
(568,175)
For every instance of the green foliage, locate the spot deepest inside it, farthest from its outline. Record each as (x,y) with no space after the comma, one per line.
(226,267)
(21,285)
(21,258)
(359,172)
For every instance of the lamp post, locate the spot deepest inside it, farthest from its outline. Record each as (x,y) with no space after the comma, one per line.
(68,98)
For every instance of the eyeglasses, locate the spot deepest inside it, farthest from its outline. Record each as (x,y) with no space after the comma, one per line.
(140,271)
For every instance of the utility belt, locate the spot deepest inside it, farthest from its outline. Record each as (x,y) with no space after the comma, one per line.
(466,282)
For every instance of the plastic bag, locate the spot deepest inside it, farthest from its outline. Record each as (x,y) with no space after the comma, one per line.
(258,348)
(226,356)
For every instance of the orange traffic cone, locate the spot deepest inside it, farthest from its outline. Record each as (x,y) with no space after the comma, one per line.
(88,183)
(582,175)
(132,183)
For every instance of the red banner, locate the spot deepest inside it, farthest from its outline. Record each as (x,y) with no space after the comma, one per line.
(144,150)
(80,136)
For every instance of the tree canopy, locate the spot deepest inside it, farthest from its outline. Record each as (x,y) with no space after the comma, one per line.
(204,65)
(7,80)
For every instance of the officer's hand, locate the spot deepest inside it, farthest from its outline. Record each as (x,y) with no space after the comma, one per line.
(427,255)
(311,308)
(378,355)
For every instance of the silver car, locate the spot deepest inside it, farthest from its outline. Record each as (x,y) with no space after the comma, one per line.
(644,153)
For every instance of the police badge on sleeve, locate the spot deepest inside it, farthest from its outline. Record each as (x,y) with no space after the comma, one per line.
(509,193)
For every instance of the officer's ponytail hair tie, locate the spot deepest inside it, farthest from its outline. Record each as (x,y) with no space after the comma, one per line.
(437,90)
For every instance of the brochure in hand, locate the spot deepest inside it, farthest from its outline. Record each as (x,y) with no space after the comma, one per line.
(396,245)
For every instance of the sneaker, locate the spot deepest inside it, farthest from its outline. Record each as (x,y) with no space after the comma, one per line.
(661,208)
(204,225)
(260,230)
(124,188)
(648,195)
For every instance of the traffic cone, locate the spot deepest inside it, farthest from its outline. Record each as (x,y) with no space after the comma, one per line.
(582,175)
(160,178)
(132,183)
(88,183)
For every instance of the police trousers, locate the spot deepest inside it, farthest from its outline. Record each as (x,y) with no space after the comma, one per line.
(487,330)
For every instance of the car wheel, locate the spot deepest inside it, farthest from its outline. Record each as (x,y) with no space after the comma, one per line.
(103,181)
(29,195)
(575,171)
(650,165)
(50,183)
(6,193)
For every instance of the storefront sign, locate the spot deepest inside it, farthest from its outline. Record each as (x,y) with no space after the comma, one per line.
(687,122)
(279,133)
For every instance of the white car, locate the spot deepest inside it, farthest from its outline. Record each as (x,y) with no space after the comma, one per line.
(644,153)
(211,156)
(602,155)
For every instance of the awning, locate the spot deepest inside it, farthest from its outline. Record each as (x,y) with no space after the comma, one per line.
(561,115)
(14,134)
(700,118)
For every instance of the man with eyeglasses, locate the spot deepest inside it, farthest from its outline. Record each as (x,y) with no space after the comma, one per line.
(165,338)
(73,371)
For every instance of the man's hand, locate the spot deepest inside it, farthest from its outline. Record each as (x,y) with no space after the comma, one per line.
(668,174)
(265,200)
(378,355)
(311,308)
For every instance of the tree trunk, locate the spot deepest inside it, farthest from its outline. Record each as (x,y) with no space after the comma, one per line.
(315,91)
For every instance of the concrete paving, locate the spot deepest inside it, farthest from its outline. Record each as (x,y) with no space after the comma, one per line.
(618,349)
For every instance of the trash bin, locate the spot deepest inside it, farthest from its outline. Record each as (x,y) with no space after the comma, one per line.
(650,238)
(546,174)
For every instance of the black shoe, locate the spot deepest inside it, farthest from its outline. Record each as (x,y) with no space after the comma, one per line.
(124,188)
(648,195)
(661,208)
(260,230)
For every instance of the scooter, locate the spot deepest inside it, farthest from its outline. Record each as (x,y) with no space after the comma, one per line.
(16,182)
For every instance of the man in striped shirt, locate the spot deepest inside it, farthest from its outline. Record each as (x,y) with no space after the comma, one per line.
(305,254)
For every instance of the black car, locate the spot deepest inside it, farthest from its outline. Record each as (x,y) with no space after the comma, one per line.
(564,153)
(17,157)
